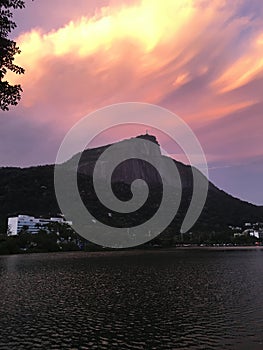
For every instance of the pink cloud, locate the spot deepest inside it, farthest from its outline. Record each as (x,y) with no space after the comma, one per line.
(188,56)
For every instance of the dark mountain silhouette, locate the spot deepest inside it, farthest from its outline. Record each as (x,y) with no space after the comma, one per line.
(31,191)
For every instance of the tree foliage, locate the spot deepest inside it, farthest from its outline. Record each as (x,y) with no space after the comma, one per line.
(9,94)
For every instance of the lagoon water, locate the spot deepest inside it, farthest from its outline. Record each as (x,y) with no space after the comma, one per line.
(179,299)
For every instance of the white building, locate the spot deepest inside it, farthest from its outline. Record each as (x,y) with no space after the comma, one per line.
(251,232)
(30,224)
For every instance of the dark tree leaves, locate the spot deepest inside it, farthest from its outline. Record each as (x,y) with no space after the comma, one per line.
(9,94)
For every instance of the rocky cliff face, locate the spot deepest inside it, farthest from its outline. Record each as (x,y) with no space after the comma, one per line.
(133,169)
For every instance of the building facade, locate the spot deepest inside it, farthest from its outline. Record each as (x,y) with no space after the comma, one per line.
(30,224)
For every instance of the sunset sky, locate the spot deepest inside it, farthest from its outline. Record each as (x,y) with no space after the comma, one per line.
(201,59)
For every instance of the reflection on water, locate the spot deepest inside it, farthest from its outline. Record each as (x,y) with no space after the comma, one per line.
(132,300)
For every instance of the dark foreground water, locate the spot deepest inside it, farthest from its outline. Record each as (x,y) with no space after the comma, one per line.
(132,300)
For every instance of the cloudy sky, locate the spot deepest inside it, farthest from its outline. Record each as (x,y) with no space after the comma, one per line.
(201,59)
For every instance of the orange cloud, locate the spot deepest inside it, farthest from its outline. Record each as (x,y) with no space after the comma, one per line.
(178,54)
(217,112)
(245,69)
(158,31)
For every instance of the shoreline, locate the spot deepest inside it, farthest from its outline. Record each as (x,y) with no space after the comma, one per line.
(156,249)
(219,248)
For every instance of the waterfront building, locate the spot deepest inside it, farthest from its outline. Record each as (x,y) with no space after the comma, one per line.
(30,224)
